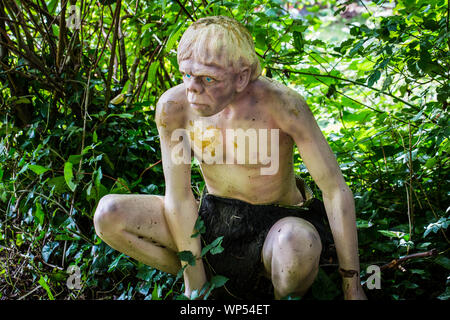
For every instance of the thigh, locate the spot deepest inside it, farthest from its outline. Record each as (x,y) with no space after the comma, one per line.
(141,215)
(298,236)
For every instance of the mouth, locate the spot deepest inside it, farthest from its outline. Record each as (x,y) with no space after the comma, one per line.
(198,106)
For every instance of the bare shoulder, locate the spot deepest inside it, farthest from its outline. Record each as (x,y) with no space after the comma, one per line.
(285,104)
(171,108)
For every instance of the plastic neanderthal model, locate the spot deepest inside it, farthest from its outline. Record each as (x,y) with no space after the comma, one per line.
(242,127)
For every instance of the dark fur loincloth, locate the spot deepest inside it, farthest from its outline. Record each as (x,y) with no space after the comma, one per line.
(245,227)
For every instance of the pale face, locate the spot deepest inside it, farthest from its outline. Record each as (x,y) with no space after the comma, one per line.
(209,88)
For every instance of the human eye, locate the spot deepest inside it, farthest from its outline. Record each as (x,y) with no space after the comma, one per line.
(208,80)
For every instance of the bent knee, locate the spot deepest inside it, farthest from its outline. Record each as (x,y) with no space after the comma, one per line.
(299,237)
(109,216)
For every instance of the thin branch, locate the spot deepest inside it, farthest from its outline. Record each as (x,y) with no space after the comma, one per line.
(122,52)
(62,35)
(397,262)
(185,10)
(148,168)
(346,80)
(113,51)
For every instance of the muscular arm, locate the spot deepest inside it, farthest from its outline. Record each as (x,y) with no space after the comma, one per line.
(296,119)
(180,207)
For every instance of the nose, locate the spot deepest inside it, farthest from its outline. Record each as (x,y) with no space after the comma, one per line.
(193,84)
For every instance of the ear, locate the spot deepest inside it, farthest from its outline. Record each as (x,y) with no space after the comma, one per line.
(242,79)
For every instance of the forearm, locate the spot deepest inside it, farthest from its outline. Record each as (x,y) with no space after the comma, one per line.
(181,217)
(340,209)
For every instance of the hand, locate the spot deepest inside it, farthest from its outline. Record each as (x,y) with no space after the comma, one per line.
(353,289)
(194,278)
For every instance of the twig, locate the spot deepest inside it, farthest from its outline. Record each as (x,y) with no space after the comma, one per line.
(185,10)
(113,52)
(104,175)
(62,37)
(148,168)
(396,263)
(346,80)
(28,293)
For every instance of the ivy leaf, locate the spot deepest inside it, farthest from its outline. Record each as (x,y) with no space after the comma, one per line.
(214,247)
(442,223)
(48,249)
(443,261)
(199,226)
(218,281)
(187,256)
(445,295)
(145,273)
(114,264)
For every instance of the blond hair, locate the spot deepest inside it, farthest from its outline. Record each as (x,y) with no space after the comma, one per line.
(220,40)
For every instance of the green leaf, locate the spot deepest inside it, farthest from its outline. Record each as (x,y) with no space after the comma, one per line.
(445,295)
(58,183)
(187,256)
(363,224)
(144,287)
(442,223)
(299,43)
(52,5)
(121,115)
(48,249)
(218,281)
(443,261)
(98,177)
(18,100)
(145,272)
(214,247)
(37,169)
(199,226)
(64,237)
(392,234)
(374,77)
(43,282)
(39,214)
(152,72)
(357,46)
(68,175)
(175,34)
(74,159)
(114,264)
(156,293)
(19,239)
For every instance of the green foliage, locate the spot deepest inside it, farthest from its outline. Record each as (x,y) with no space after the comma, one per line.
(376,79)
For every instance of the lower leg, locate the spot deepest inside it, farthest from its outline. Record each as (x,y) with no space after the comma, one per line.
(145,250)
(295,284)
(135,225)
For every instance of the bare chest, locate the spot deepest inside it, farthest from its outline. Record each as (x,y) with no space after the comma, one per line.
(252,140)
